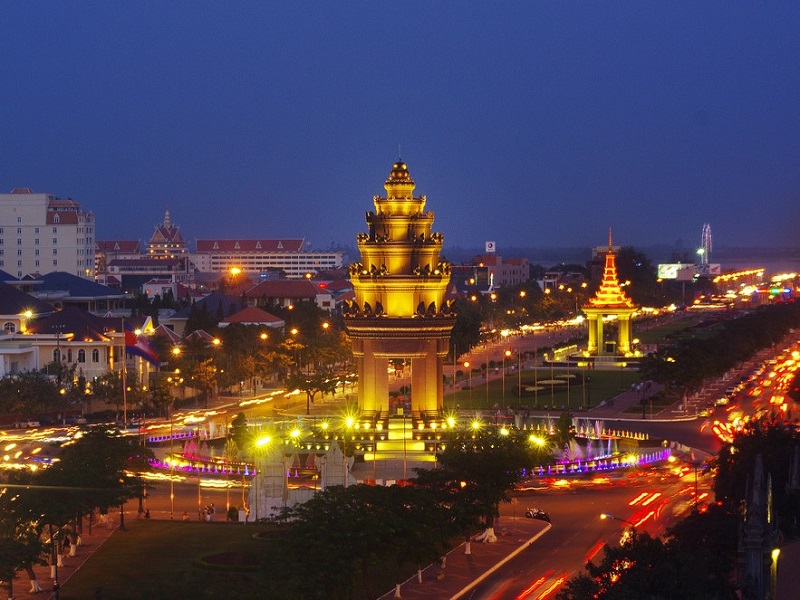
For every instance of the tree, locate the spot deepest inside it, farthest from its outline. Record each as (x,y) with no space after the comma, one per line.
(775,440)
(636,267)
(694,560)
(26,393)
(21,544)
(99,471)
(204,378)
(466,333)
(476,471)
(377,525)
(239,432)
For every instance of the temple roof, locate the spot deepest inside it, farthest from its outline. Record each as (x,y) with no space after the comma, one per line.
(610,294)
(399,174)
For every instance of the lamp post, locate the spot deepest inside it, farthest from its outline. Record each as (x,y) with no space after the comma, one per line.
(628,534)
(605,516)
(506,355)
(469,371)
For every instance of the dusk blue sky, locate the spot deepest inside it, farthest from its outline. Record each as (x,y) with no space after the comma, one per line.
(527,123)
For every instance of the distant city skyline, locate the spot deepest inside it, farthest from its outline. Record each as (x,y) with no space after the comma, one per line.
(531,124)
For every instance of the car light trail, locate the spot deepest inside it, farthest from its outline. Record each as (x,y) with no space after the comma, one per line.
(555,585)
(638,499)
(651,499)
(593,552)
(529,590)
(644,519)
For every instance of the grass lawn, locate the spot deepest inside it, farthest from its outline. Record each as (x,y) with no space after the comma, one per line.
(158,559)
(602,385)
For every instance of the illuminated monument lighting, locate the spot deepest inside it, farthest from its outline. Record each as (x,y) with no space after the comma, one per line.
(609,300)
(399,309)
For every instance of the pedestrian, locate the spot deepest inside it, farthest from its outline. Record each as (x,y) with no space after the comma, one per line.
(147,514)
(66,544)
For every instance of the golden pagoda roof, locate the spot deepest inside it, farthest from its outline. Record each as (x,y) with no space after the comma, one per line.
(610,294)
(399,174)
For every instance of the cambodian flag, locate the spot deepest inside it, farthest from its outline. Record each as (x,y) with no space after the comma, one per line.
(139,346)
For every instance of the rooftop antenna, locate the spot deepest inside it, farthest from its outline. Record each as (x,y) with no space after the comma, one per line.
(399,153)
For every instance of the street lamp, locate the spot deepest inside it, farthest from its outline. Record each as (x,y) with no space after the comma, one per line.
(469,371)
(605,516)
(628,534)
(506,355)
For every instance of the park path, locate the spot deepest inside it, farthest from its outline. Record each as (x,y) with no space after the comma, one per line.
(90,543)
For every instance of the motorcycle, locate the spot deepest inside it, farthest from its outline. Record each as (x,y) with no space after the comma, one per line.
(536,513)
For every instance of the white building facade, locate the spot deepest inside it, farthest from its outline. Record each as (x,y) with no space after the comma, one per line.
(259,256)
(40,233)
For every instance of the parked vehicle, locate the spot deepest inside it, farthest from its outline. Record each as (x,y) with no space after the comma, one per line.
(536,513)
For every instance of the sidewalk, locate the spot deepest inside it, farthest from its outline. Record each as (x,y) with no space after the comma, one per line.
(462,571)
(22,585)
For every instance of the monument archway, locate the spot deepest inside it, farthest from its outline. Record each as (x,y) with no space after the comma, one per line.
(400,310)
(609,300)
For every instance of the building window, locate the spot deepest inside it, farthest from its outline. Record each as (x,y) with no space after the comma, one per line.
(37,263)
(55,251)
(35,251)
(56,355)
(36,231)
(36,242)
(19,219)
(95,355)
(55,241)
(81,356)
(19,252)
(55,262)
(19,263)
(56,219)
(19,230)
(55,229)
(69,355)
(9,327)
(19,242)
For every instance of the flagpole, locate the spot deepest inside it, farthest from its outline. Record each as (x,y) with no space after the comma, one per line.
(124,382)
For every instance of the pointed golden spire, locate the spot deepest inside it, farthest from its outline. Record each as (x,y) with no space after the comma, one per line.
(610,293)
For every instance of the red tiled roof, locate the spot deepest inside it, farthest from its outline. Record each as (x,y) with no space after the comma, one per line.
(283,288)
(166,235)
(250,245)
(253,315)
(167,333)
(61,203)
(65,217)
(125,246)
(339,285)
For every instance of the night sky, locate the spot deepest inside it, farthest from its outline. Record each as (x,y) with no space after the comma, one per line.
(527,123)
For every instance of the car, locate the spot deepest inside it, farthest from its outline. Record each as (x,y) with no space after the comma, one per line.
(722,401)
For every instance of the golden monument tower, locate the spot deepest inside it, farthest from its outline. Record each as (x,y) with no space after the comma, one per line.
(399,309)
(609,300)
